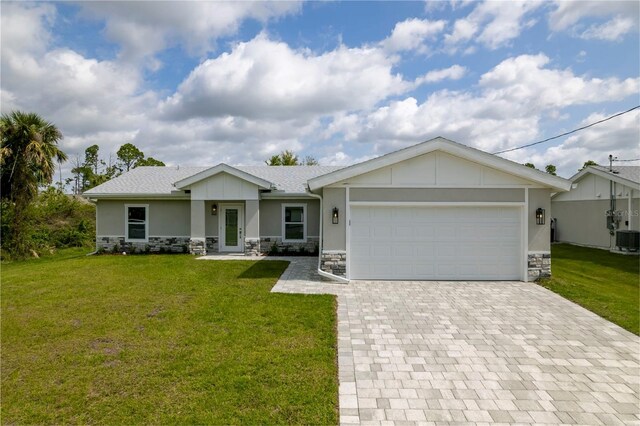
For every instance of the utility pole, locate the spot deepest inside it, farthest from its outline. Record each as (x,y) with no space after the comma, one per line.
(612,196)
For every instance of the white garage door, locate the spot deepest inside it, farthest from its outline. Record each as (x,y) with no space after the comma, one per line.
(435,243)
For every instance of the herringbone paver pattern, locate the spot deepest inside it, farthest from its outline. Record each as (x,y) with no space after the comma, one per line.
(474,352)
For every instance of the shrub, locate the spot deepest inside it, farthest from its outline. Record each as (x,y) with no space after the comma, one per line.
(273,250)
(52,220)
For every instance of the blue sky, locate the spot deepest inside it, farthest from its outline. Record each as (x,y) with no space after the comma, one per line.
(198,83)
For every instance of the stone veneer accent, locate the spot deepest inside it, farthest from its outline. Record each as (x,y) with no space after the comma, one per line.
(252,246)
(212,244)
(154,245)
(538,265)
(334,262)
(197,246)
(267,243)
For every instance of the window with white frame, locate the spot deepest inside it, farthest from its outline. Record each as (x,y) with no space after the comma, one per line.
(294,222)
(137,222)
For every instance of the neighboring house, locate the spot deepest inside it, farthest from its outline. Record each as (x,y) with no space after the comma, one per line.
(438,210)
(581,213)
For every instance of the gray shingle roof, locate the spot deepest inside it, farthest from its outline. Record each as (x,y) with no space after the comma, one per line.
(160,180)
(289,178)
(631,173)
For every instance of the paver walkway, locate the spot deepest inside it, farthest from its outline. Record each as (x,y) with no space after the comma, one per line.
(474,352)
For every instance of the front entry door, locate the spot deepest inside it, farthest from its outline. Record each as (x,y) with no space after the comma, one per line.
(231,228)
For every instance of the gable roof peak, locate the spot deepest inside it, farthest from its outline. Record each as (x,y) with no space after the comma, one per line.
(450,147)
(223,168)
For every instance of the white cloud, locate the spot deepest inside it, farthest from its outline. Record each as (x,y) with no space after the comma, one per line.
(512,100)
(86,98)
(24,27)
(412,34)
(570,15)
(252,81)
(263,96)
(492,23)
(463,30)
(618,137)
(341,158)
(524,80)
(144,28)
(454,72)
(612,30)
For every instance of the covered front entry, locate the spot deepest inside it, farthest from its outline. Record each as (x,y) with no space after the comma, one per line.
(436,242)
(231,228)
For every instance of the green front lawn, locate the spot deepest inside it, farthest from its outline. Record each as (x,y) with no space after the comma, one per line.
(163,339)
(603,282)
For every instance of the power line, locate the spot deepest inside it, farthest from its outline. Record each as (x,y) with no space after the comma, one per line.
(634,159)
(568,133)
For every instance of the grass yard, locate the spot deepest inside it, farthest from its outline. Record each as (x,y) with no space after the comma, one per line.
(605,283)
(163,339)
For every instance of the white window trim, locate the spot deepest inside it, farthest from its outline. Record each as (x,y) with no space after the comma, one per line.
(146,224)
(304,222)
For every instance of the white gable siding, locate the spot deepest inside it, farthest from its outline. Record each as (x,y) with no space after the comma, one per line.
(223,186)
(592,187)
(435,169)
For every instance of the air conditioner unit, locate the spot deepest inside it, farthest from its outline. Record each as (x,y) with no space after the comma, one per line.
(628,240)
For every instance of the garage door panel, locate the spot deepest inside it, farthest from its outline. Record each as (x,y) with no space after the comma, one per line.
(444,243)
(425,251)
(381,232)
(381,215)
(360,232)
(403,250)
(425,232)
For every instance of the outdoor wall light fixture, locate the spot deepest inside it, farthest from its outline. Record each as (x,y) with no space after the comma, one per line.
(334,216)
(214,209)
(540,216)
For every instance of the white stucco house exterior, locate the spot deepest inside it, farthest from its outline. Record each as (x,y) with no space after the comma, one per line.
(582,212)
(438,210)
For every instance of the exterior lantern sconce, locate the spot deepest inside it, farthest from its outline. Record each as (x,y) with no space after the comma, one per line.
(214,210)
(540,216)
(335,216)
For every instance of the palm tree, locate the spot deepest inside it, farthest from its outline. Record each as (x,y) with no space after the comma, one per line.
(29,145)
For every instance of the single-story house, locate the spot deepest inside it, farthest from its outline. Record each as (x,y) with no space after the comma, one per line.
(600,203)
(438,210)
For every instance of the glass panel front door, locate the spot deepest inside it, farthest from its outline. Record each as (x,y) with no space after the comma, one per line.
(231,227)
(231,223)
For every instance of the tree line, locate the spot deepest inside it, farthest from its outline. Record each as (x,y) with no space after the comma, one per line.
(35,215)
(551,169)
(94,170)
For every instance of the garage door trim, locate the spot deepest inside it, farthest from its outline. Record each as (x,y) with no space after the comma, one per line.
(521,205)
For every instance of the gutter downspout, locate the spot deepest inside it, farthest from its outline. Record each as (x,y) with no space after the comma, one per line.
(96,204)
(320,271)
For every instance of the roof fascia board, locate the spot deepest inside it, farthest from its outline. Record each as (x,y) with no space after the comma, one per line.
(223,168)
(146,196)
(449,147)
(285,195)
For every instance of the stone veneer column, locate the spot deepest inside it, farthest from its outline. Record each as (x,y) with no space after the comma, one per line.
(252,246)
(334,262)
(197,242)
(538,265)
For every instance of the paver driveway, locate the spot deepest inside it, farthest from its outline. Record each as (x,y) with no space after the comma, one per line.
(474,352)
